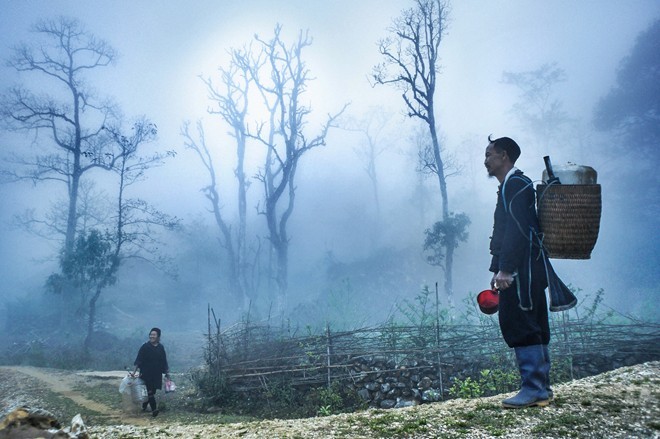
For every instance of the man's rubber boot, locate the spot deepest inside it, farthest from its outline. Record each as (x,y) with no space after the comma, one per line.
(546,356)
(533,393)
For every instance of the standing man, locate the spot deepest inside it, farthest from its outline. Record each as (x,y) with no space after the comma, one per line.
(519,274)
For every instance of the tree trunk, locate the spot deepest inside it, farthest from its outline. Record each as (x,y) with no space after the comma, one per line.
(91,320)
(442,181)
(72,216)
(241,239)
(282,251)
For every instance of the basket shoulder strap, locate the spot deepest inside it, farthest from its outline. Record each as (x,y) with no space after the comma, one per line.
(527,181)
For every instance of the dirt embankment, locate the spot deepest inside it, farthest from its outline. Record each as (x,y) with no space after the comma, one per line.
(624,403)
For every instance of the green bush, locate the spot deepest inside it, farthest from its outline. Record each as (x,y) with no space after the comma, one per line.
(213,387)
(466,388)
(496,381)
(324,401)
(489,382)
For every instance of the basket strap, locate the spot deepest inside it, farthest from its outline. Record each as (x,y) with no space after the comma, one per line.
(528,183)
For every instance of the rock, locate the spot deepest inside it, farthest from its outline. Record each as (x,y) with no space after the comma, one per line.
(431,395)
(387,403)
(26,422)
(403,402)
(358,376)
(424,383)
(24,415)
(78,428)
(409,363)
(382,359)
(364,394)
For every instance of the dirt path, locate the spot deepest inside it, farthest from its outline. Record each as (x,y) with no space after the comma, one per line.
(63,383)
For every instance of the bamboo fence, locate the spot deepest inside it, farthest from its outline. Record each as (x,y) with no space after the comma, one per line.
(251,356)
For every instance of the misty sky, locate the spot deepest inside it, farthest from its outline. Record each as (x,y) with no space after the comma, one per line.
(164,46)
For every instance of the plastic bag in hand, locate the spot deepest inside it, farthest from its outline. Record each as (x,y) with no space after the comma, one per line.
(135,387)
(169,386)
(139,391)
(123,386)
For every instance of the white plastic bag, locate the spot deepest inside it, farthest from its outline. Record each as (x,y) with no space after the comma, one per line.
(135,387)
(139,391)
(123,386)
(169,386)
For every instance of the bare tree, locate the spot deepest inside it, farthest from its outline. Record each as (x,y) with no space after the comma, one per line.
(65,111)
(281,77)
(93,262)
(198,145)
(537,109)
(51,225)
(411,64)
(372,128)
(230,101)
(422,193)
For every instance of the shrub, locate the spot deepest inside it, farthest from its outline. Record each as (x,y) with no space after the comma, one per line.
(212,386)
(325,401)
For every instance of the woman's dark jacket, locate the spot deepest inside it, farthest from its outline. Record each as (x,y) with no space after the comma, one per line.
(152,362)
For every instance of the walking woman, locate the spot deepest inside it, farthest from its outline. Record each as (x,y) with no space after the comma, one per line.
(152,362)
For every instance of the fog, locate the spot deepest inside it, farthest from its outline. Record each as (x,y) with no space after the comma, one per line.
(346,252)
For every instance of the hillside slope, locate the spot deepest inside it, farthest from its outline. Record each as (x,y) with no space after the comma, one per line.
(624,403)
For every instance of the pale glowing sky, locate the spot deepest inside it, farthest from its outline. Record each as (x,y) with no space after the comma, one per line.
(165,45)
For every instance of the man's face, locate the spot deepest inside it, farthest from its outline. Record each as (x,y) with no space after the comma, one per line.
(153,337)
(494,160)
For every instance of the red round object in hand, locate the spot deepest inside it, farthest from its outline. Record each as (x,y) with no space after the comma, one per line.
(488,301)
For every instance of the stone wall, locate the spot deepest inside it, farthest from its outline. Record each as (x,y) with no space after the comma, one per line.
(383,384)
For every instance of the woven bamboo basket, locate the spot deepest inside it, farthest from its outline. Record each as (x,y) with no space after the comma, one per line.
(569,216)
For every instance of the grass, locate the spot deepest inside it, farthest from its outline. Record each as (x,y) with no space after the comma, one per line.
(562,425)
(392,424)
(64,409)
(485,416)
(104,393)
(175,407)
(491,418)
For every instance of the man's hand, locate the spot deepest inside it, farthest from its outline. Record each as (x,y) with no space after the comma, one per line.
(502,280)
